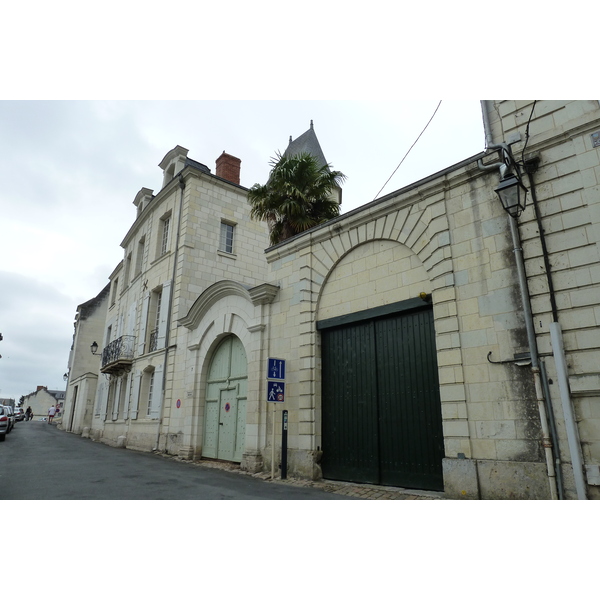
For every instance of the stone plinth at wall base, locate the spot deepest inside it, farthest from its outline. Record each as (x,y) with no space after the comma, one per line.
(304,464)
(95,434)
(171,443)
(507,480)
(252,462)
(108,441)
(468,479)
(85,433)
(121,441)
(460,478)
(186,452)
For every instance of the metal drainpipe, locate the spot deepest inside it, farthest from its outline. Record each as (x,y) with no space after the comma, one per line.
(531,167)
(535,367)
(553,432)
(570,423)
(486,124)
(168,332)
(559,354)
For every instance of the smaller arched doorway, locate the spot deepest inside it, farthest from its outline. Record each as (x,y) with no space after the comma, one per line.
(225,409)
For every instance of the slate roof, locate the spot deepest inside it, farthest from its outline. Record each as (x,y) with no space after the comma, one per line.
(307,142)
(197,165)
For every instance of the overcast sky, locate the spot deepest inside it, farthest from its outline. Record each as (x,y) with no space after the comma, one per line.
(71,169)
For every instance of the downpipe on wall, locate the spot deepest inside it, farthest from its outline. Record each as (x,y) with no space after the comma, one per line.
(565,397)
(168,332)
(535,367)
(559,360)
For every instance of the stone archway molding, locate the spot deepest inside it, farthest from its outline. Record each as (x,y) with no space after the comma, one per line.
(257,295)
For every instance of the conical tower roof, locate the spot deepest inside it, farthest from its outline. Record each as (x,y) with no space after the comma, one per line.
(307,142)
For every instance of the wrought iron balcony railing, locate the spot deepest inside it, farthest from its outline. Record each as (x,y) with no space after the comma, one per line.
(118,355)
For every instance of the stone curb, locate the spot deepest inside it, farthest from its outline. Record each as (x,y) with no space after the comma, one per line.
(355,490)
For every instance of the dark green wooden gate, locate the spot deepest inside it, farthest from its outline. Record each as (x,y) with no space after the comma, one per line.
(381,407)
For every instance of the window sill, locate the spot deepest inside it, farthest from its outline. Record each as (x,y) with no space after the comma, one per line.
(227,254)
(161,257)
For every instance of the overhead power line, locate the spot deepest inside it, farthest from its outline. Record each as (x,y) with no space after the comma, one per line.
(408,152)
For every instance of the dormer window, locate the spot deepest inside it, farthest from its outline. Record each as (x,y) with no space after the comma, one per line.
(142,199)
(172,163)
(169,174)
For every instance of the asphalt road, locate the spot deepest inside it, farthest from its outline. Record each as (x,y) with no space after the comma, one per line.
(40,462)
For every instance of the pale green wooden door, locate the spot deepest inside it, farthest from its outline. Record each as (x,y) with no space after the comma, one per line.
(225,413)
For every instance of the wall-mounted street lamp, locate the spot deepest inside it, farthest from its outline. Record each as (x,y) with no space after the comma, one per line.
(66,376)
(511,190)
(512,194)
(94,348)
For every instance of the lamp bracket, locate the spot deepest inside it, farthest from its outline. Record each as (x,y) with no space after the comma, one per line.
(521,360)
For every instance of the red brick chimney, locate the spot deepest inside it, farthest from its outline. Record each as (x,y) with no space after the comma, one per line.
(228,167)
(41,387)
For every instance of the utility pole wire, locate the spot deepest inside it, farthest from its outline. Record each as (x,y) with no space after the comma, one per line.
(422,132)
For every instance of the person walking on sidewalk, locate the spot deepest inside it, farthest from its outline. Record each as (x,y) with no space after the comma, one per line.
(28,415)
(51,413)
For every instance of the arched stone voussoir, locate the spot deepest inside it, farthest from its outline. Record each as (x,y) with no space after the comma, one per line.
(255,295)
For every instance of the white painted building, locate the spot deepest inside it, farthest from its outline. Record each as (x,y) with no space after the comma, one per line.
(418,352)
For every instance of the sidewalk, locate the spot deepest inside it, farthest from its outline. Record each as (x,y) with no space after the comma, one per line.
(343,488)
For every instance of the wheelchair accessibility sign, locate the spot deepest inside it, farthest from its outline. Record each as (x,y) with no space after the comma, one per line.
(275,391)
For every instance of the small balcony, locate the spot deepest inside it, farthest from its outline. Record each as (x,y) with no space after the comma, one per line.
(117,357)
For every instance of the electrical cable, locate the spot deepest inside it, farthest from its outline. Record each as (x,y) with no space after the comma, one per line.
(408,152)
(527,133)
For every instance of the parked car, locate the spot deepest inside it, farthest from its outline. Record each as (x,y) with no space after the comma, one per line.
(10,412)
(4,422)
(19,414)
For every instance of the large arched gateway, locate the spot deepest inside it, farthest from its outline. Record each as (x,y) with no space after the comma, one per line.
(380,399)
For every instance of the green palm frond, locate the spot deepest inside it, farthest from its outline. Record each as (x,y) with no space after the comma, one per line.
(297,196)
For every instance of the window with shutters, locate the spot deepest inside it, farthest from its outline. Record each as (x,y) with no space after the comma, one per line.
(165,224)
(154,319)
(139,258)
(150,393)
(115,288)
(127,270)
(110,407)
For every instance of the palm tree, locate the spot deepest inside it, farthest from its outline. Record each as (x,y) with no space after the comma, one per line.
(297,196)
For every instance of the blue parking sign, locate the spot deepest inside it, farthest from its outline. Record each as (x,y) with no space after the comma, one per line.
(275,391)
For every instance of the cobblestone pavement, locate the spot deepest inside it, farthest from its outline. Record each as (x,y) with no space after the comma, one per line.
(355,490)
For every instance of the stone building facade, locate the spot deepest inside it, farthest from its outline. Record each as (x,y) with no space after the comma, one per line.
(430,339)
(42,399)
(193,237)
(90,320)
(448,238)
